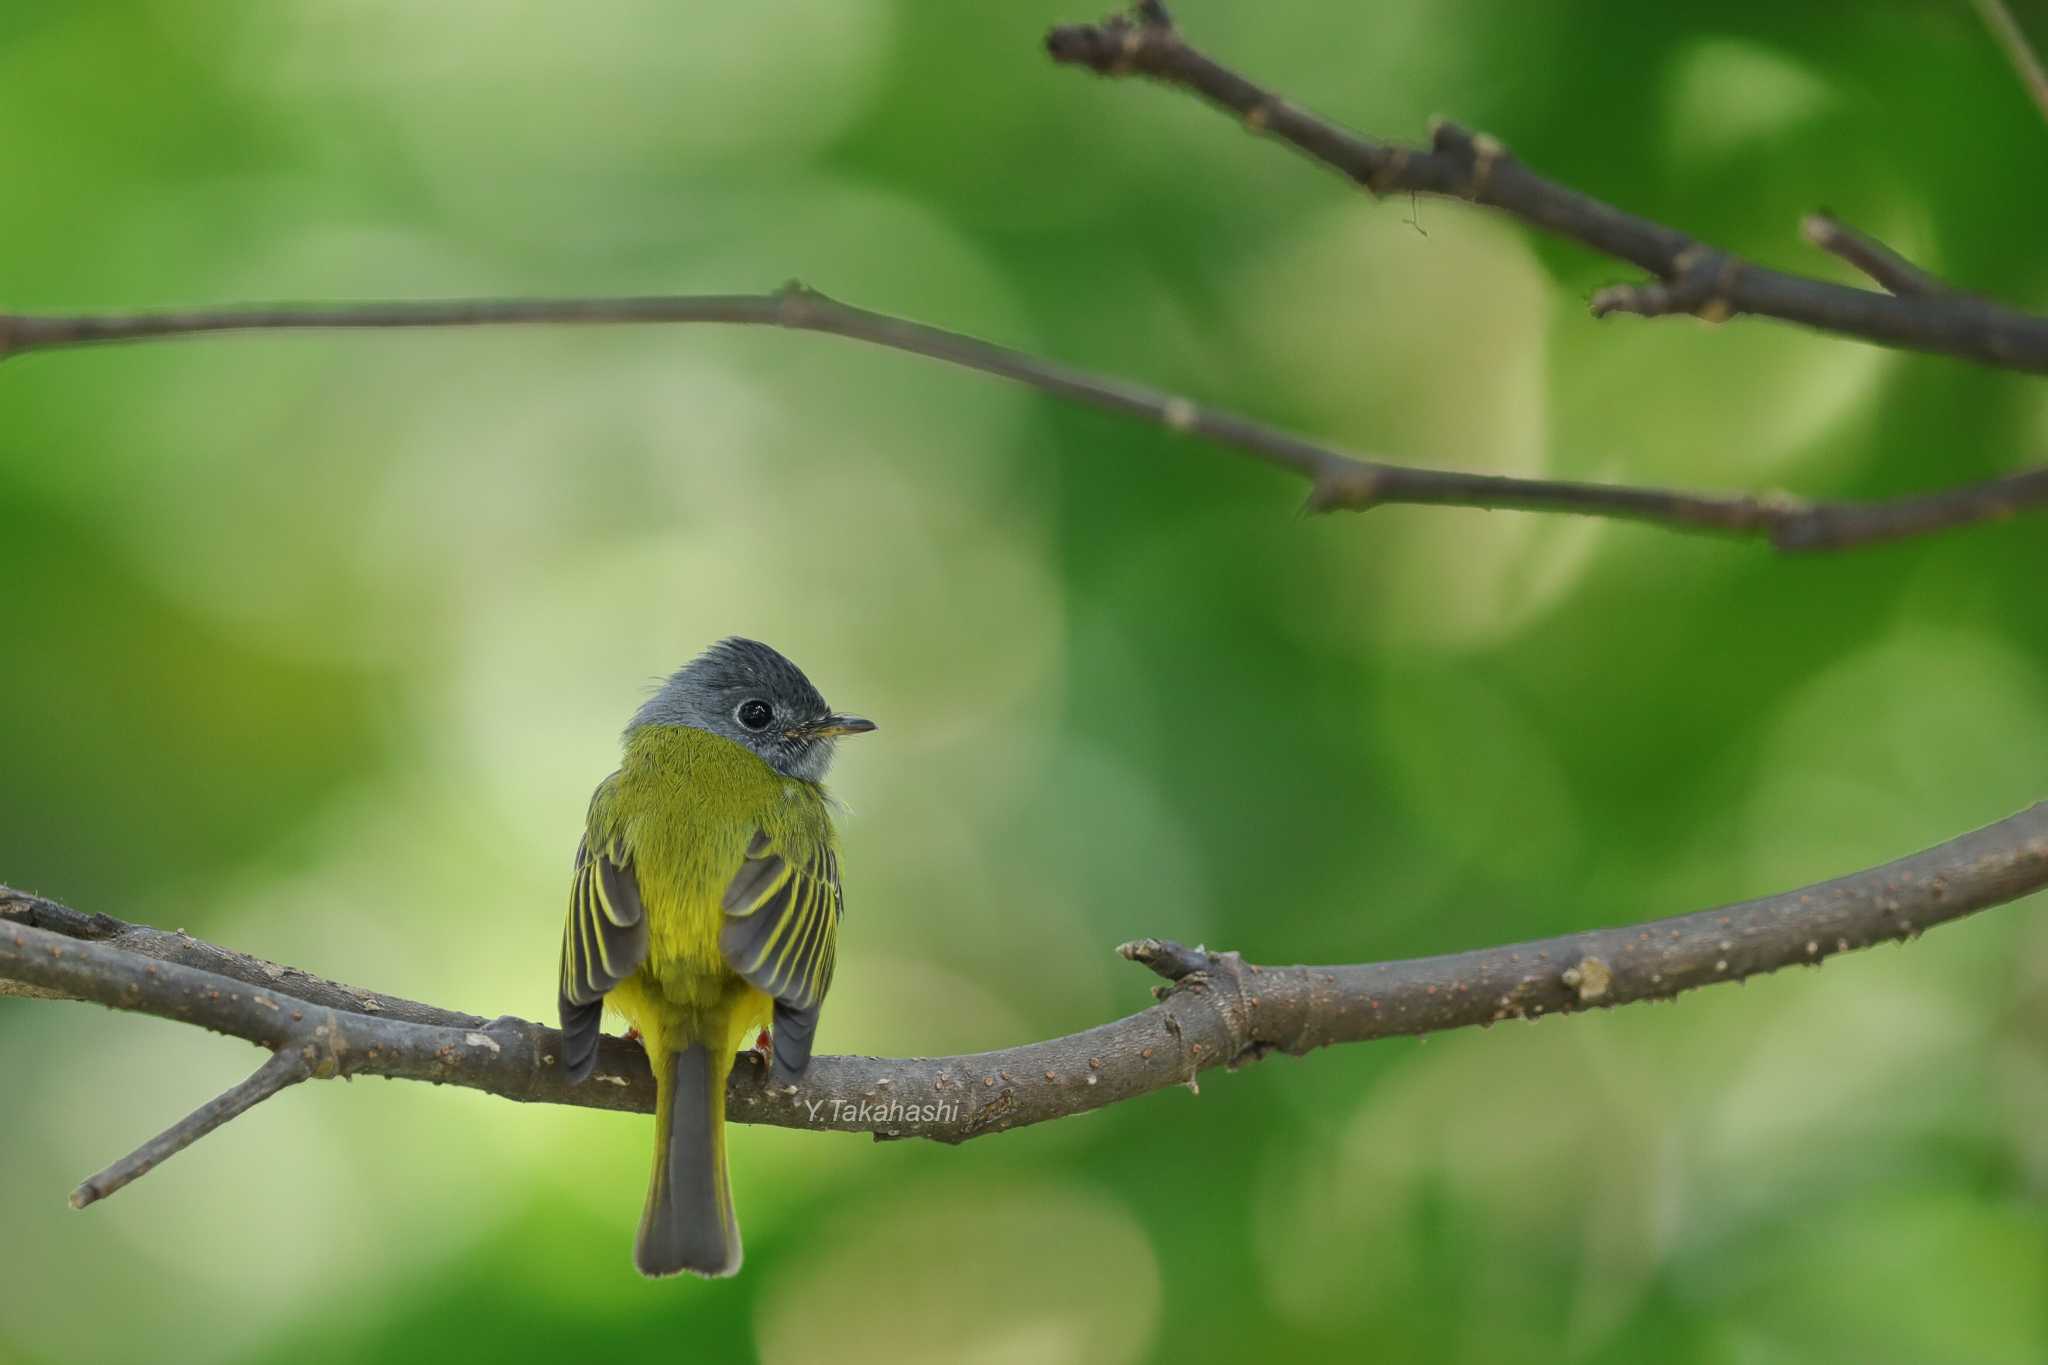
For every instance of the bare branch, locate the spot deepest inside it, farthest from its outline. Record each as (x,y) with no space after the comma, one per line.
(1218,1010)
(1789,523)
(1690,277)
(1338,479)
(285,1068)
(1864,252)
(2006,30)
(19,907)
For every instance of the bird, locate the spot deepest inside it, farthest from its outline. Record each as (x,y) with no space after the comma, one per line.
(705,908)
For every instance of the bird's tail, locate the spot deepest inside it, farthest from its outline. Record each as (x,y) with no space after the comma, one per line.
(688,1224)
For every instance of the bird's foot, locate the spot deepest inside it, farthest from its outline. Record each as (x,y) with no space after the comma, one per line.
(632,1035)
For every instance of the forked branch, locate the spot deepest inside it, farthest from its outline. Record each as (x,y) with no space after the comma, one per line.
(1688,276)
(1217,1011)
(1338,480)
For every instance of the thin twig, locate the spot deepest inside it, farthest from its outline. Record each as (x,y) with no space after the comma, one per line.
(1338,479)
(1690,276)
(1864,252)
(2006,31)
(281,1070)
(1218,1011)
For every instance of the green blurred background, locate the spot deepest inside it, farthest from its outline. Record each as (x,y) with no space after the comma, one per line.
(315,646)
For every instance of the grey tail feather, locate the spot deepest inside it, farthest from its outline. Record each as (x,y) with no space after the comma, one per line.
(689,1223)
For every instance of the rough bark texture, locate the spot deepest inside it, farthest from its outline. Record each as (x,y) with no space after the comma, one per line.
(1217,1011)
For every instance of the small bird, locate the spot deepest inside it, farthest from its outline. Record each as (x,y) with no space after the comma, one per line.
(706,904)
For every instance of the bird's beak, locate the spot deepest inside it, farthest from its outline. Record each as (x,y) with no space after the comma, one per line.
(832,727)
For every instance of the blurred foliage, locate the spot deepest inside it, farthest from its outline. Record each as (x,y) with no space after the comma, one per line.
(317,645)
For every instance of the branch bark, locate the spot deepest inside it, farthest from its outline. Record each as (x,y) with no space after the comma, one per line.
(1886,267)
(1218,1010)
(285,1067)
(1338,480)
(1689,276)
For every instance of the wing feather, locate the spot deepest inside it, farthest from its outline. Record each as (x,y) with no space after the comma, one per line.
(781,933)
(604,940)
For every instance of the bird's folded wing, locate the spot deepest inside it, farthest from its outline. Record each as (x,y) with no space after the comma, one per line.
(603,943)
(781,933)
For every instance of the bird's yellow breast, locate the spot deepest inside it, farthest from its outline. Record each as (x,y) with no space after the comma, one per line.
(687,804)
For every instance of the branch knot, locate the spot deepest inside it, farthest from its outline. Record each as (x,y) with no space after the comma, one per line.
(1476,153)
(1702,282)
(1140,41)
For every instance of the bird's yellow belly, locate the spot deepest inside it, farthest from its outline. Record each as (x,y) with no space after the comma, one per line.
(684,992)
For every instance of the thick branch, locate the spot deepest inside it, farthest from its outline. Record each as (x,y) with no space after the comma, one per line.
(1219,1011)
(1337,479)
(1690,276)
(19,907)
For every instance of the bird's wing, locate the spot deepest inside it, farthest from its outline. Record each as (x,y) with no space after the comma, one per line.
(781,933)
(603,941)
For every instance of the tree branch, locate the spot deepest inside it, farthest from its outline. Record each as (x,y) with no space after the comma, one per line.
(1690,276)
(19,907)
(1338,480)
(286,1067)
(2012,40)
(1864,252)
(1217,1011)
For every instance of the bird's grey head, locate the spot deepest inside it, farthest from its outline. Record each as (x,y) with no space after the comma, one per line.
(747,693)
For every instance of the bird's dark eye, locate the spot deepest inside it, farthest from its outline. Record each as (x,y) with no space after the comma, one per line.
(754,713)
